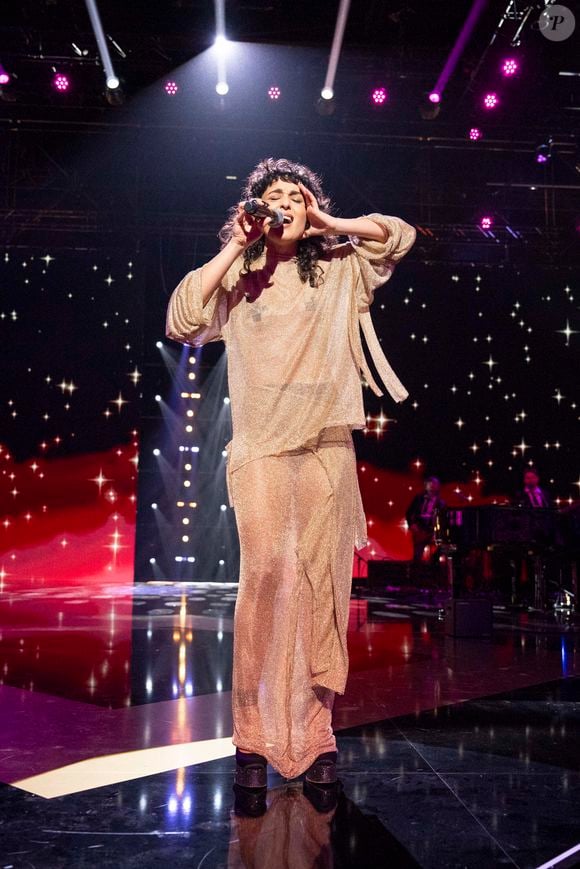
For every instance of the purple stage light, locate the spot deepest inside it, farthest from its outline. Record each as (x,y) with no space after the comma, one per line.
(274,92)
(379,96)
(490,101)
(486,222)
(434,97)
(509,66)
(171,88)
(475,134)
(542,156)
(61,82)
(4,76)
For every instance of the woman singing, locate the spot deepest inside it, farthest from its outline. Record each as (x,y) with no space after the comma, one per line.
(288,301)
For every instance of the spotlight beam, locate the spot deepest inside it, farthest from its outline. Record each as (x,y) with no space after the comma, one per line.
(221,46)
(101,42)
(460,43)
(336,47)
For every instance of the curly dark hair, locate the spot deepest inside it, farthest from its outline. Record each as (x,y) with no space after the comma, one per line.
(310,250)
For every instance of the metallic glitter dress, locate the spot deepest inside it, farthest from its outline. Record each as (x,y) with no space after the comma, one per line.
(294,363)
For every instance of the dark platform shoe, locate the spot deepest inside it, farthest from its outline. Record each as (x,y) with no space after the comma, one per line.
(323,770)
(324,798)
(249,802)
(251,770)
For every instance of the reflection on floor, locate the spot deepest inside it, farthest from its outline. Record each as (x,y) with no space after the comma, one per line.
(115,738)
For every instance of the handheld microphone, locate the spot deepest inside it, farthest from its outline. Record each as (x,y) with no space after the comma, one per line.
(257,209)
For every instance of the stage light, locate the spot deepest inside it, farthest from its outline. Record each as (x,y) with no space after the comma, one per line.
(159,344)
(222,88)
(475,134)
(171,88)
(156,452)
(157,398)
(509,66)
(4,76)
(274,92)
(114,94)
(325,108)
(486,222)
(379,96)
(542,153)
(154,506)
(490,101)
(429,108)
(223,507)
(61,82)
(152,560)
(221,44)
(434,97)
(327,92)
(226,400)
(101,40)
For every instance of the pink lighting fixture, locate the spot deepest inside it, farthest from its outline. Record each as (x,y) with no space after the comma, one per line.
(61,82)
(379,96)
(509,67)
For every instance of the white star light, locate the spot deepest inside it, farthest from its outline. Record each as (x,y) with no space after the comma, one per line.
(567,332)
(47,259)
(558,396)
(135,375)
(459,423)
(115,545)
(119,401)
(100,480)
(523,446)
(490,363)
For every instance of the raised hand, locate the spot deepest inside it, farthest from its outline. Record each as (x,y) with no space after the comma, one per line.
(320,222)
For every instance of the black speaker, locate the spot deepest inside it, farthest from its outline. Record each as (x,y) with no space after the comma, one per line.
(469,618)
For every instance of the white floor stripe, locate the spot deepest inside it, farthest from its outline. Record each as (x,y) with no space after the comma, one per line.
(560,858)
(111,769)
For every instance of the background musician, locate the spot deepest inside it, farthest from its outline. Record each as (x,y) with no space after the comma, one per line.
(532,495)
(423,513)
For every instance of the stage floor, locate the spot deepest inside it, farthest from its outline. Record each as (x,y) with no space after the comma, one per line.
(115,737)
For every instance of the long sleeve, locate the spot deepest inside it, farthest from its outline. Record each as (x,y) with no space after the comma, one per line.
(188,321)
(376,260)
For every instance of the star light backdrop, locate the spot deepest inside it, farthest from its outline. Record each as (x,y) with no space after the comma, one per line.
(71,326)
(489,355)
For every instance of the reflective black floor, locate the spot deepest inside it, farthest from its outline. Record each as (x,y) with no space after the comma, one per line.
(489,782)
(115,738)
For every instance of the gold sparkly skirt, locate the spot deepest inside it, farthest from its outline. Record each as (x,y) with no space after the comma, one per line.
(299,516)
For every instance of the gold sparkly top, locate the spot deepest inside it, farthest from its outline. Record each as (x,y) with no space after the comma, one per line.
(294,351)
